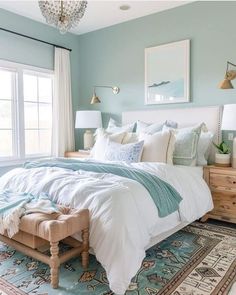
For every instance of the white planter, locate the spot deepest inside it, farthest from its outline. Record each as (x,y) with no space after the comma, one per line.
(222,159)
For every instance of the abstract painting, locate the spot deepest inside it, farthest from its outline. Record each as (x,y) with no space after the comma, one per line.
(167,73)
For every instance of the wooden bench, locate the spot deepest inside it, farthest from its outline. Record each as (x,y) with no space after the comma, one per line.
(39,230)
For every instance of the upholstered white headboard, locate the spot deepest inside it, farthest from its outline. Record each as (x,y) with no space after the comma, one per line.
(211,116)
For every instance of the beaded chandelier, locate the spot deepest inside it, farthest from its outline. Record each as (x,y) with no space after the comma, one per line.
(63,14)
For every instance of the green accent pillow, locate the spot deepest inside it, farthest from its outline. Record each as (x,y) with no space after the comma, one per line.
(185,152)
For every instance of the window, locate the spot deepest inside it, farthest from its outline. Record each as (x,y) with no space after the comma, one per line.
(7,115)
(25,111)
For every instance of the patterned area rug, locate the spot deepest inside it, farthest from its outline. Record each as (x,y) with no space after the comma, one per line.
(198,260)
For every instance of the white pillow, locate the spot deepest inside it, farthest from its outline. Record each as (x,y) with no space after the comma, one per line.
(155,147)
(204,147)
(129,153)
(102,138)
(117,137)
(114,127)
(98,149)
(130,137)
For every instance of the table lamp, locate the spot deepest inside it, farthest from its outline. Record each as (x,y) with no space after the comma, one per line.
(229,124)
(88,120)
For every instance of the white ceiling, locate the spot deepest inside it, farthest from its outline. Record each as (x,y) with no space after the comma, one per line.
(99,14)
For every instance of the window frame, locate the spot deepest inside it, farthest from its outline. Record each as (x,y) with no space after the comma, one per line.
(18,127)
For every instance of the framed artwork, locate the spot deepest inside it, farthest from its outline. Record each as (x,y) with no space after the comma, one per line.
(167,73)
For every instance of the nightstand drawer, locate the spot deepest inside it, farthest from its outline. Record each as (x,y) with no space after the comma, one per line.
(224,204)
(223,181)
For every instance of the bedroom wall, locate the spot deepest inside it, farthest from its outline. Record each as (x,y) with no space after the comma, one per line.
(22,50)
(115,56)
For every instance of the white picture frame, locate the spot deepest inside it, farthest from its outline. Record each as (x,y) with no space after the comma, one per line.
(167,70)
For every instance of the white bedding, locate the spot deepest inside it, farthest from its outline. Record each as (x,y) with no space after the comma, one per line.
(124,217)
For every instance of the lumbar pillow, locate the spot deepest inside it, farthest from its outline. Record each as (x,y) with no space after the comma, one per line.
(114,127)
(155,146)
(129,153)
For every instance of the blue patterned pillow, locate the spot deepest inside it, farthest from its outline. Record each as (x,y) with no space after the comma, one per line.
(129,153)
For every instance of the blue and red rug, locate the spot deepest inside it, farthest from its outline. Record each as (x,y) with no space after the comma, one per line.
(198,260)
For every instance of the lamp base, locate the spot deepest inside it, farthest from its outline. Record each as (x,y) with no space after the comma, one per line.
(234,154)
(88,140)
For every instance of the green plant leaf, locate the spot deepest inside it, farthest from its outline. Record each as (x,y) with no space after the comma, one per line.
(222,148)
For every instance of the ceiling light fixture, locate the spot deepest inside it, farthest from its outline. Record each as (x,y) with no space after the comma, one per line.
(124,7)
(63,14)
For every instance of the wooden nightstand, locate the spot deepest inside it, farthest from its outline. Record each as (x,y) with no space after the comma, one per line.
(78,154)
(222,183)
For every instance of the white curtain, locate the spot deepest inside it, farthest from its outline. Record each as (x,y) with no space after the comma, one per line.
(62,122)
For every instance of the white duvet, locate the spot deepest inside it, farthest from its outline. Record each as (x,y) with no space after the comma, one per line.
(123,215)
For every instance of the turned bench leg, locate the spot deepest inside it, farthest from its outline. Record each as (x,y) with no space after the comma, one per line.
(85,252)
(54,264)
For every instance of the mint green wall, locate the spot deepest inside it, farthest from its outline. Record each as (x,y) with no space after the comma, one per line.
(22,50)
(115,55)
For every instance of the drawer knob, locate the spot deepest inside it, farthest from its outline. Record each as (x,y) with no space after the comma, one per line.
(234,182)
(234,203)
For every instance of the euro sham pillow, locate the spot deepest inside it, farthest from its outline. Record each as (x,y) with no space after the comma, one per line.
(151,128)
(143,127)
(114,127)
(129,153)
(156,147)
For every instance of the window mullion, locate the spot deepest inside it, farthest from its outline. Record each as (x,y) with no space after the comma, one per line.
(21,125)
(39,145)
(13,115)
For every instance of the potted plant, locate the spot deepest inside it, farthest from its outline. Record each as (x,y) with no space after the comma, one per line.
(222,157)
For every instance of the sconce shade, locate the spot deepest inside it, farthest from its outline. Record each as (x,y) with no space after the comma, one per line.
(229,117)
(95,99)
(229,75)
(226,84)
(88,119)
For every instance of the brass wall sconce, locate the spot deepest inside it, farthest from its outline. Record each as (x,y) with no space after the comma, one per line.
(229,76)
(95,98)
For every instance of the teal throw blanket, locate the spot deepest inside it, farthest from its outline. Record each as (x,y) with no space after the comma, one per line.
(13,205)
(165,197)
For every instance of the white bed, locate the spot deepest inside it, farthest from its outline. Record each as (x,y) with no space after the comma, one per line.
(124,218)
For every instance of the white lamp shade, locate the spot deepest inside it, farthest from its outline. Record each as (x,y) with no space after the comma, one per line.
(88,119)
(229,117)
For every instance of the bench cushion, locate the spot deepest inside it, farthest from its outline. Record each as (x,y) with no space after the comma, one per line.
(57,226)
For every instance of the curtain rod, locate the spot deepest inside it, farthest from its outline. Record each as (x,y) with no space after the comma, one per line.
(35,39)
